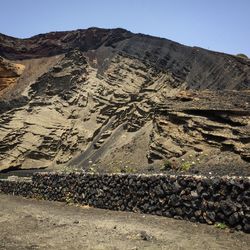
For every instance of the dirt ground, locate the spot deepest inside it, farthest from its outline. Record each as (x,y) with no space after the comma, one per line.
(33,224)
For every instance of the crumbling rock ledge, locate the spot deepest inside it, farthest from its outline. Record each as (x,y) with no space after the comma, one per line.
(195,198)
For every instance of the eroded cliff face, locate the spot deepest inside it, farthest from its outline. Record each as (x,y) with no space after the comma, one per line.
(9,74)
(113,100)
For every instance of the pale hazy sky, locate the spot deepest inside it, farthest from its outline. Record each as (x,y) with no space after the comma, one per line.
(221,25)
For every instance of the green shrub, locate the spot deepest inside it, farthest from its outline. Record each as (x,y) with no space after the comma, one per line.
(221,225)
(242,56)
(166,165)
(128,170)
(186,165)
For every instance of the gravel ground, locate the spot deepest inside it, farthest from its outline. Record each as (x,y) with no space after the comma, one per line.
(33,224)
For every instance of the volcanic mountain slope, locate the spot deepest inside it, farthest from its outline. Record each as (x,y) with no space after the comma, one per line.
(112,100)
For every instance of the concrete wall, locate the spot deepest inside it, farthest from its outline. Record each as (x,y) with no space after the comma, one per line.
(194,198)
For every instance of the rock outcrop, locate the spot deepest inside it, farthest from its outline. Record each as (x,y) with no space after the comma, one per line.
(9,74)
(111,100)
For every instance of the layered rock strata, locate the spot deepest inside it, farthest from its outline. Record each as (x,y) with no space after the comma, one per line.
(113,100)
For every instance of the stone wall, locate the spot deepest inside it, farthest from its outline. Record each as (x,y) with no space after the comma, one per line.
(194,198)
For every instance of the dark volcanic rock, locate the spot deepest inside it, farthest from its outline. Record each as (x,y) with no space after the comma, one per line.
(111,191)
(200,68)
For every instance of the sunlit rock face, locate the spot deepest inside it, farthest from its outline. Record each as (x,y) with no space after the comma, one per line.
(114,100)
(9,74)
